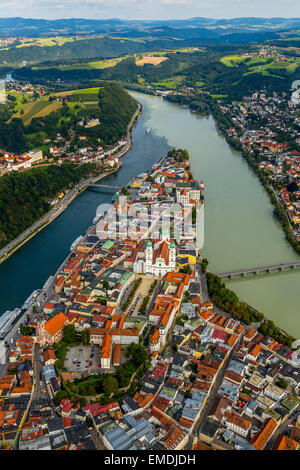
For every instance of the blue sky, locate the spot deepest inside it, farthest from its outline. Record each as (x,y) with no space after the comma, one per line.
(148,9)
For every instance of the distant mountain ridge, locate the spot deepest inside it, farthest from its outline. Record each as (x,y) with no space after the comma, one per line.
(30,27)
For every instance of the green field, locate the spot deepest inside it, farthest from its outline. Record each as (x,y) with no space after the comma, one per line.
(289,66)
(104,64)
(261,65)
(50,42)
(98,64)
(93,91)
(72,105)
(170,83)
(232,60)
(38,109)
(219,96)
(255,60)
(84,97)
(93,105)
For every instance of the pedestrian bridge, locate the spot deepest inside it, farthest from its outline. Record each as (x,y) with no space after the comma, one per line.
(260,270)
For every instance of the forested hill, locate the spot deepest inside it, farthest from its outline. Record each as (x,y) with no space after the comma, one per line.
(116,109)
(24,196)
(98,47)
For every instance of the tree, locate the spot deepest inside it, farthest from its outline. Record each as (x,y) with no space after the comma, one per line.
(138,354)
(204,264)
(110,385)
(88,420)
(91,390)
(85,337)
(60,395)
(26,330)
(292,187)
(186,269)
(58,364)
(82,403)
(69,333)
(281,383)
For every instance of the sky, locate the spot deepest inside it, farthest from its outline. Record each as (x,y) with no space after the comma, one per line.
(148,9)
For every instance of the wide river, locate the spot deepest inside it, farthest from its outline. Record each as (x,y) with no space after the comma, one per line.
(240,229)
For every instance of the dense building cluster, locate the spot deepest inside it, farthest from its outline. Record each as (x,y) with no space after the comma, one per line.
(128,352)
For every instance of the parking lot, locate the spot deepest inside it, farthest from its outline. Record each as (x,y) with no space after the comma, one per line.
(141,293)
(83,359)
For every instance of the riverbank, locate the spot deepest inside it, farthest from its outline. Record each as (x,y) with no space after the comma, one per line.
(222,127)
(48,218)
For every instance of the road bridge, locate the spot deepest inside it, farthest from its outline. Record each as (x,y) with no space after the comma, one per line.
(272,268)
(104,188)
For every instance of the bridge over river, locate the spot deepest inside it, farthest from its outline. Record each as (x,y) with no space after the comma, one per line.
(106,187)
(260,270)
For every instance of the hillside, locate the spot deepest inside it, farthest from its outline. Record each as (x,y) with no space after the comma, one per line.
(231,70)
(29,125)
(24,196)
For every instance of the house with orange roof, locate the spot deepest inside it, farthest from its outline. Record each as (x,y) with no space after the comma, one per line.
(49,357)
(201,446)
(59,284)
(239,329)
(119,335)
(51,331)
(24,388)
(206,315)
(106,351)
(249,335)
(231,340)
(261,438)
(176,438)
(164,316)
(254,352)
(236,423)
(286,443)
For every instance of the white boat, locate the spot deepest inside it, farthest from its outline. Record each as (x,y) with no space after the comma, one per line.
(28,302)
(77,240)
(7,320)
(47,282)
(148,130)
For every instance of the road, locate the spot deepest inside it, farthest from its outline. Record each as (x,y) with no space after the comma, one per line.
(36,372)
(47,218)
(201,277)
(213,392)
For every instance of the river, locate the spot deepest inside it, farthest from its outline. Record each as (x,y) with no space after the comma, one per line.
(240,229)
